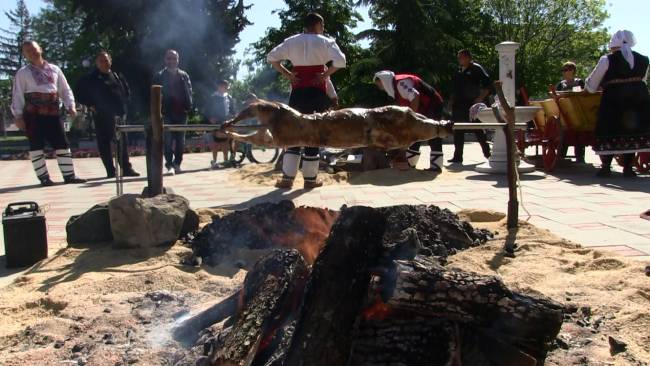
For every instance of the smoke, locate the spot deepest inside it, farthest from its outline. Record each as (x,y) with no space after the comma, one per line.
(204,32)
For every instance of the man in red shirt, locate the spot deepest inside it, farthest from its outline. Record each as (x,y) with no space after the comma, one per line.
(411,91)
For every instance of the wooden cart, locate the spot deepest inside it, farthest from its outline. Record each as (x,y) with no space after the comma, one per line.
(567,119)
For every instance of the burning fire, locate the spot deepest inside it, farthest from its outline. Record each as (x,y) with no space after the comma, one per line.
(379,310)
(313,228)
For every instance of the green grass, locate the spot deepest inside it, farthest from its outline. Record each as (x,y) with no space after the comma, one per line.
(12,138)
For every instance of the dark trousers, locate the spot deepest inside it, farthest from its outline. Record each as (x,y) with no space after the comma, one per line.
(174,141)
(309,151)
(105,131)
(305,100)
(628,159)
(434,144)
(42,129)
(460,113)
(459,143)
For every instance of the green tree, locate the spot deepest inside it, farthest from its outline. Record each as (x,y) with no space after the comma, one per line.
(5,104)
(264,82)
(11,57)
(412,36)
(550,33)
(137,33)
(58,29)
(340,18)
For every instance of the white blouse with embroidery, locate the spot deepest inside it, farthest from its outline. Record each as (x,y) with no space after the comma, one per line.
(32,79)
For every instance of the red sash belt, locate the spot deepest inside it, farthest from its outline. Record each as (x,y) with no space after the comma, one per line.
(41,104)
(307,77)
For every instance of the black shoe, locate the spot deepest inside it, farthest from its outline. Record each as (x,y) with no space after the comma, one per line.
(435,169)
(73,179)
(455,160)
(110,175)
(47,182)
(629,173)
(131,173)
(604,173)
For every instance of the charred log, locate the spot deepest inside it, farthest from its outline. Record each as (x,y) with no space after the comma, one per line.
(413,342)
(529,323)
(339,281)
(188,331)
(269,297)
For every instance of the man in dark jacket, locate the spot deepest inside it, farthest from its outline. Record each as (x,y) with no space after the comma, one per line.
(176,104)
(106,93)
(471,85)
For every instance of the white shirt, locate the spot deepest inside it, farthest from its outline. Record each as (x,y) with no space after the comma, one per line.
(24,83)
(330,90)
(226,101)
(308,49)
(406,89)
(596,77)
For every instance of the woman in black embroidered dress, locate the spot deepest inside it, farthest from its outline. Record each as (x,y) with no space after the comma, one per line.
(623,126)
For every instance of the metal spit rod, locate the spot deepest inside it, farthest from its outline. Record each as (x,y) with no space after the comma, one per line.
(121,129)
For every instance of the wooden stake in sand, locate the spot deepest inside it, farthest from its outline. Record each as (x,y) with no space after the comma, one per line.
(154,173)
(509,129)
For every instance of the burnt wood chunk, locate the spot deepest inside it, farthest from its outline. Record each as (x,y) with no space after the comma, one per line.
(269,293)
(423,287)
(336,289)
(413,341)
(188,331)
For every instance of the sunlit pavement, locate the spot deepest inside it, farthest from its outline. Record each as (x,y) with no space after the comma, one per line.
(572,202)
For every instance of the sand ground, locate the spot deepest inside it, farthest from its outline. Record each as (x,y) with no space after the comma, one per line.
(106,306)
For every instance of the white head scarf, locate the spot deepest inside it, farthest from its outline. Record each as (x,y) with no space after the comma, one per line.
(386,77)
(625,40)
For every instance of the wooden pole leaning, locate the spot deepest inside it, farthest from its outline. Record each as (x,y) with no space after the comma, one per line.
(511,155)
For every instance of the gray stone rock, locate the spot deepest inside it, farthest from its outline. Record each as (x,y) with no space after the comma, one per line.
(93,226)
(147,222)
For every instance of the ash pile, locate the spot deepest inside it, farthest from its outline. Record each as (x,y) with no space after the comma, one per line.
(377,293)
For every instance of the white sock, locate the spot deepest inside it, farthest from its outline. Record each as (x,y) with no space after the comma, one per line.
(310,167)
(290,164)
(64,158)
(412,157)
(436,159)
(38,162)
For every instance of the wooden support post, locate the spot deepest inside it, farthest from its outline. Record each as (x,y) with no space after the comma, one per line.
(156,153)
(511,154)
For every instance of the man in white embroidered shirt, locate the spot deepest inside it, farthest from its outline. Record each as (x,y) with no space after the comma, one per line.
(308,52)
(35,106)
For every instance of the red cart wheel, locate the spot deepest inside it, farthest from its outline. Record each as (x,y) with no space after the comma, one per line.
(521,141)
(643,162)
(551,144)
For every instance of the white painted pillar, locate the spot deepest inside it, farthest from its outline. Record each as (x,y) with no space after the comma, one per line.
(498,160)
